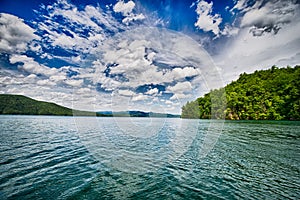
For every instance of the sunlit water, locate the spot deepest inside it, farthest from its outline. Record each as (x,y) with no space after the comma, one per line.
(72,158)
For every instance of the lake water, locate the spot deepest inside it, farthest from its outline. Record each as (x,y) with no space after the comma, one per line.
(140,158)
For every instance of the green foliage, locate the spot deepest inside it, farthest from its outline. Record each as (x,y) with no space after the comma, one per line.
(272,94)
(18,104)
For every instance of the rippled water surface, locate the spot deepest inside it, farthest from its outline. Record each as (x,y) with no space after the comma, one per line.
(142,158)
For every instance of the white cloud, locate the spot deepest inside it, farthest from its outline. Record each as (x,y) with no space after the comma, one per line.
(271,17)
(101,17)
(180,96)
(266,16)
(180,87)
(35,47)
(240,5)
(72,14)
(81,44)
(133,17)
(31,76)
(57,78)
(107,84)
(74,83)
(206,20)
(179,73)
(248,53)
(83,29)
(127,93)
(6,81)
(152,91)
(83,91)
(268,34)
(127,11)
(140,97)
(76,59)
(51,76)
(63,41)
(31,66)
(140,57)
(14,34)
(46,82)
(124,8)
(230,30)
(169,102)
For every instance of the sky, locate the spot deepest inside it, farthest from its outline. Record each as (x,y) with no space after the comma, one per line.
(140,55)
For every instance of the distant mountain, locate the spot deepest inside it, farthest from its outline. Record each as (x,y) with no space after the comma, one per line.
(272,94)
(22,105)
(137,114)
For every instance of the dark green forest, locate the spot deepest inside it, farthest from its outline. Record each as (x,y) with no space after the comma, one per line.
(18,104)
(272,94)
(21,105)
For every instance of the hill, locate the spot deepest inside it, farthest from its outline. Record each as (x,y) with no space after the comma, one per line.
(132,113)
(22,105)
(272,94)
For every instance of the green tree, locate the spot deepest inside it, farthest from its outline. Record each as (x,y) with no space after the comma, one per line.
(271,94)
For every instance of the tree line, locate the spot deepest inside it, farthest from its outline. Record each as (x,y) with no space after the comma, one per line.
(271,94)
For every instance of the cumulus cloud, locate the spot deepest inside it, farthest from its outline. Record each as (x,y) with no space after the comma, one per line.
(266,16)
(230,30)
(140,97)
(57,78)
(133,17)
(180,96)
(179,73)
(247,53)
(63,41)
(127,11)
(46,82)
(127,93)
(14,34)
(209,22)
(180,87)
(80,31)
(71,14)
(268,36)
(137,66)
(28,64)
(48,76)
(124,8)
(74,83)
(141,66)
(130,59)
(206,20)
(8,79)
(152,91)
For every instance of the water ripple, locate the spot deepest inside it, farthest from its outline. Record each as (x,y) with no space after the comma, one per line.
(46,158)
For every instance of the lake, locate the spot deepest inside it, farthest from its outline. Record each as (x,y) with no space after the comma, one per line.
(45,157)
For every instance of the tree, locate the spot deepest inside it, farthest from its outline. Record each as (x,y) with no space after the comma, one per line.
(271,94)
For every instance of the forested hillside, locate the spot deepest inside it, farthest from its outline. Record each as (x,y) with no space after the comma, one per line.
(18,104)
(22,105)
(272,94)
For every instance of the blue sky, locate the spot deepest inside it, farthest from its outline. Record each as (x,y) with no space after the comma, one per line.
(140,55)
